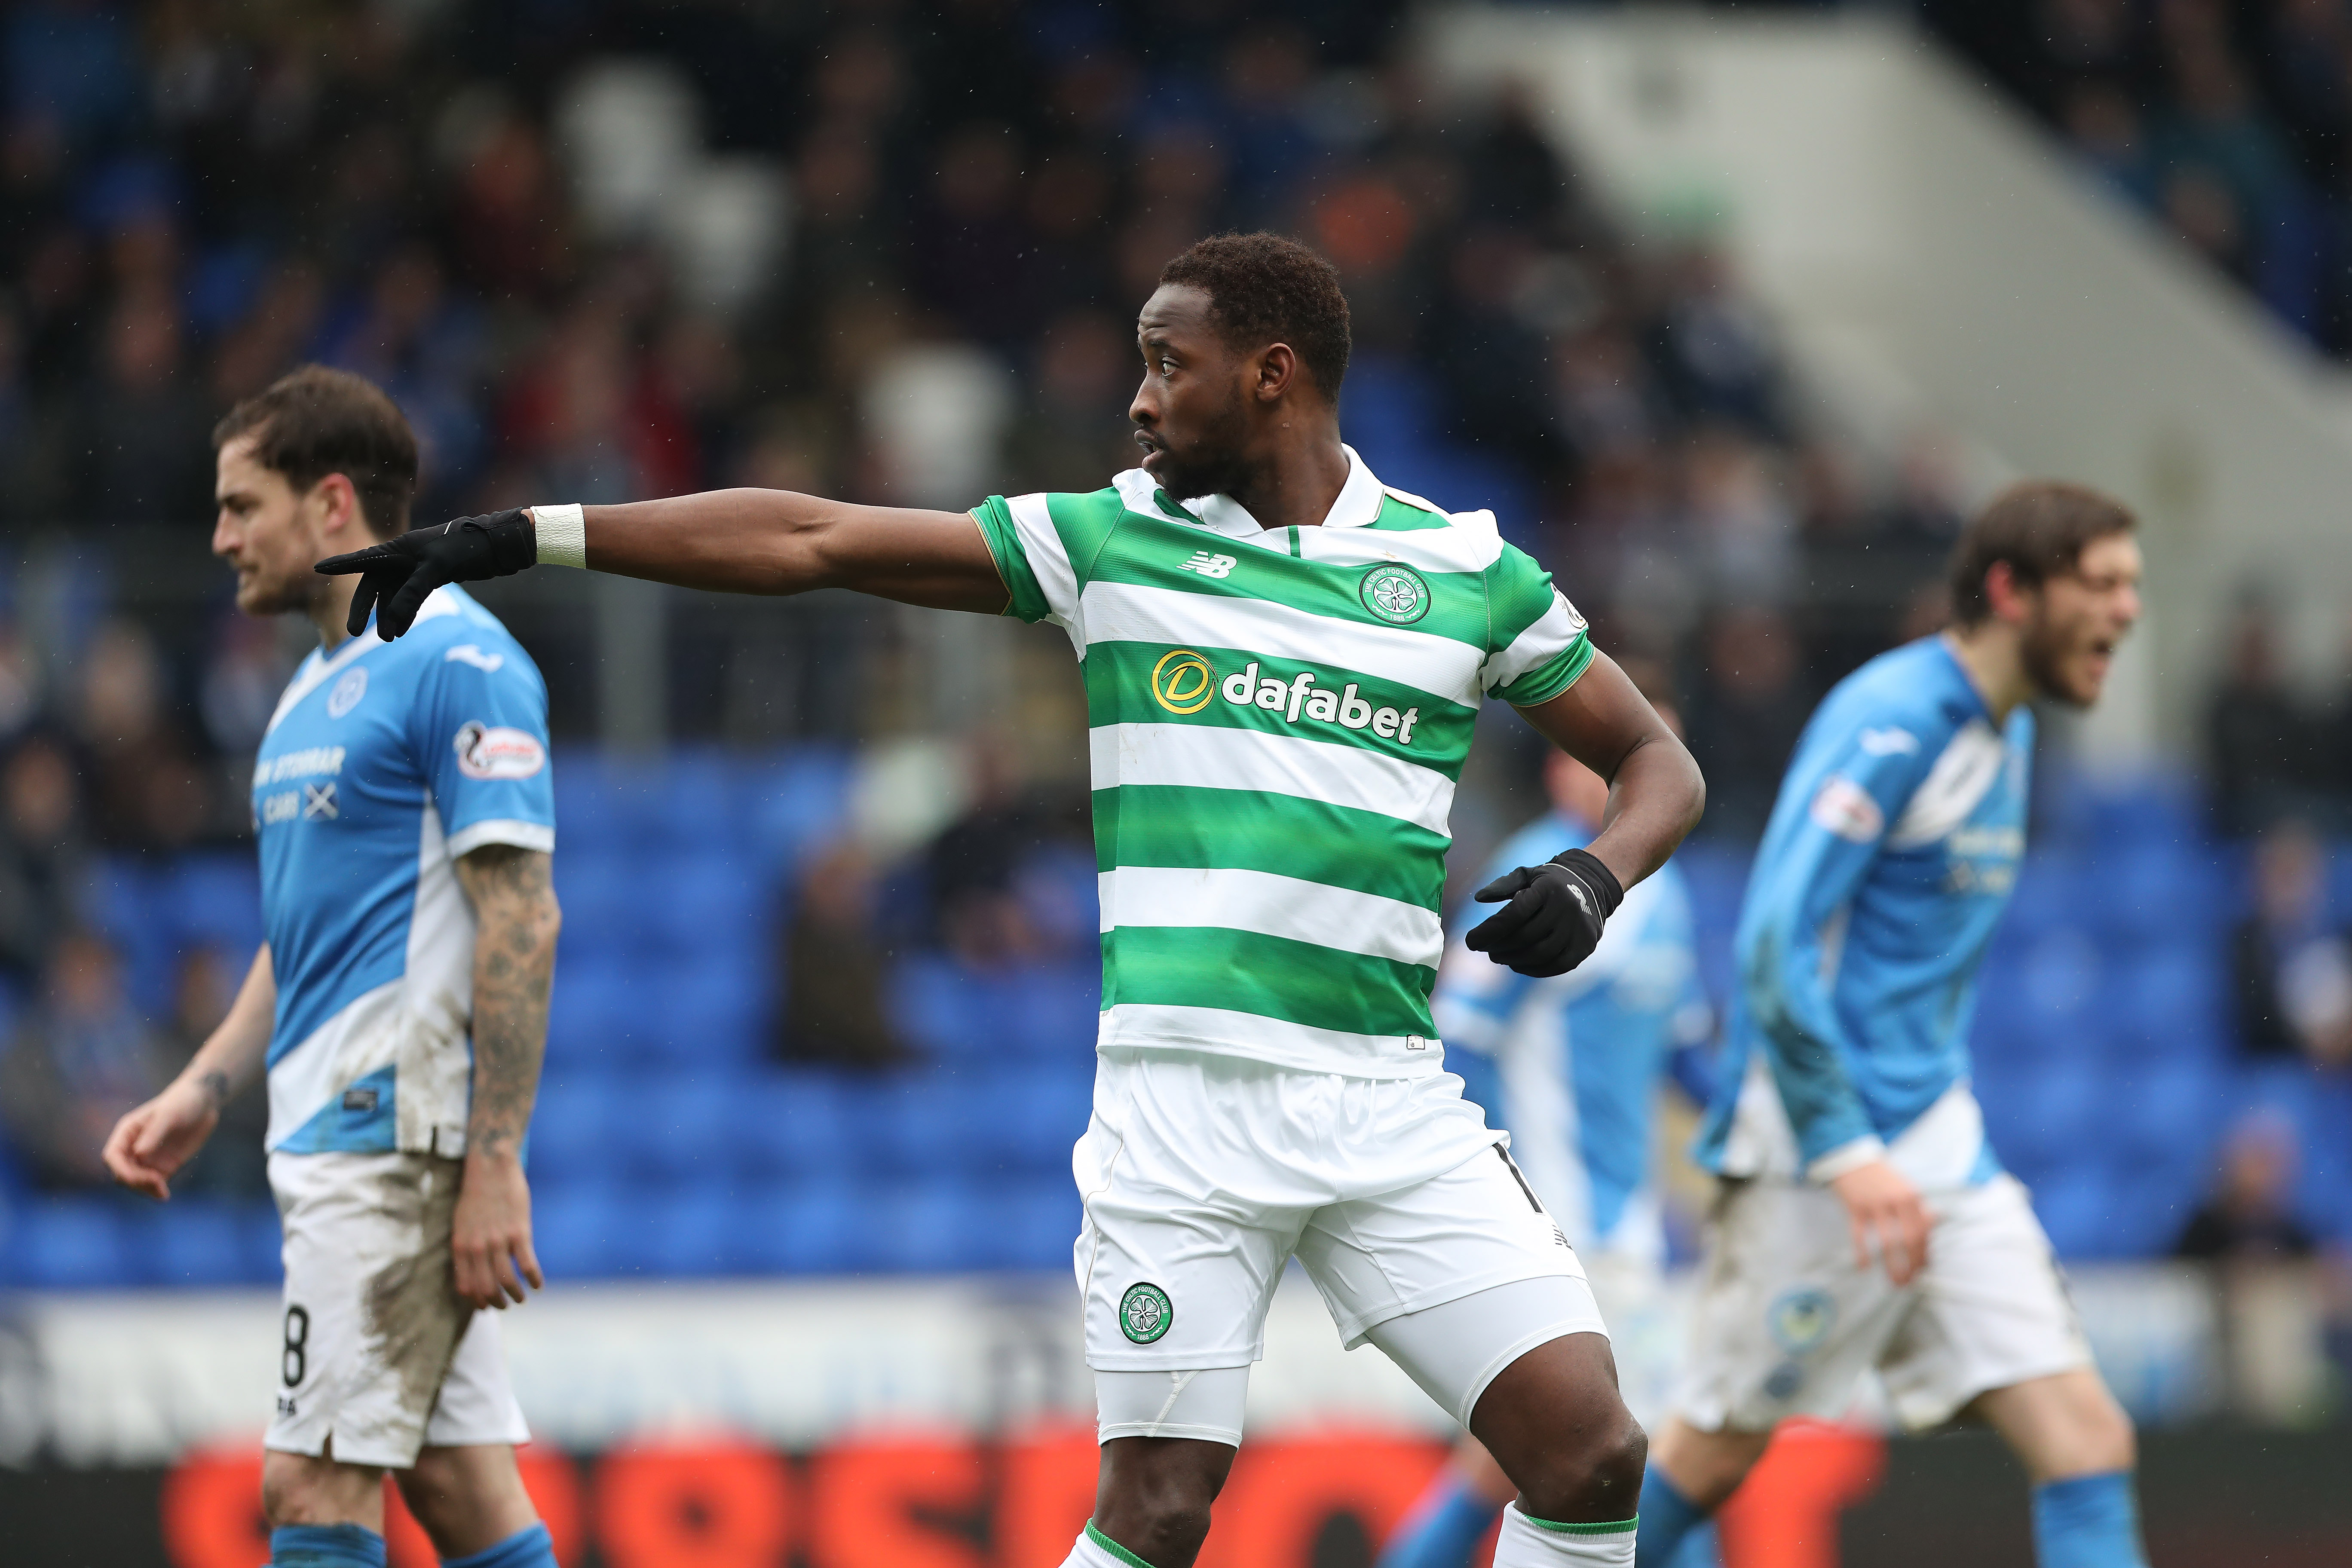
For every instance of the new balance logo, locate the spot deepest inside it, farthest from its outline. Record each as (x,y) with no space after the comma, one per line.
(1209,565)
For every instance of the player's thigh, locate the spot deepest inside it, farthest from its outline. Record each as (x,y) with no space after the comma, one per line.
(1176,1269)
(1785,1322)
(336,1236)
(1470,1228)
(370,1323)
(1993,1311)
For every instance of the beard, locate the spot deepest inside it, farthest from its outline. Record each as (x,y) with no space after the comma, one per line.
(2043,649)
(1210,463)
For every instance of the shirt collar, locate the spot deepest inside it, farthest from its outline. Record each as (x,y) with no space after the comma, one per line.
(1357,504)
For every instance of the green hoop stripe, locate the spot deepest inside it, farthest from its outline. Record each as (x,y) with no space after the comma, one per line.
(1620,1527)
(1114,1548)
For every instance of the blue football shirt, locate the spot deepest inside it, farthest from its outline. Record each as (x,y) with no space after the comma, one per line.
(1570,1065)
(382,765)
(1890,855)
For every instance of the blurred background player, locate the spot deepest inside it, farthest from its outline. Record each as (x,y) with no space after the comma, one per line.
(406,823)
(1864,1221)
(1272,829)
(1572,1065)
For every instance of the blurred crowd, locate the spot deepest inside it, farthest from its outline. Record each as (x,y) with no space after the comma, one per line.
(612,249)
(2229,122)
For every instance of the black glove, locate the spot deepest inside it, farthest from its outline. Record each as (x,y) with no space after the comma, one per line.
(1553,920)
(398,575)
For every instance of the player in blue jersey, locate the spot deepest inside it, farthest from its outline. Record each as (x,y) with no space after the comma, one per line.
(399,1003)
(1570,1065)
(1864,1223)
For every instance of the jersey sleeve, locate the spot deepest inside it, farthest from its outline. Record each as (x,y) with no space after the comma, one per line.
(1536,643)
(479,727)
(1848,782)
(1045,547)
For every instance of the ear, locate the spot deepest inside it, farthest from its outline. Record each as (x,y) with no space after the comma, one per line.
(335,504)
(1277,371)
(2008,599)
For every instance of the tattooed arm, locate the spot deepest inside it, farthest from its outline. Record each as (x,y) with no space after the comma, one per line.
(150,1145)
(514,965)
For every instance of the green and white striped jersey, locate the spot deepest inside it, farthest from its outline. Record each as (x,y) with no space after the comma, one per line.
(1277,719)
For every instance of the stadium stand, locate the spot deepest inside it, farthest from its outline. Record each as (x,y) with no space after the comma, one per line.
(190,210)
(2224,123)
(665,1145)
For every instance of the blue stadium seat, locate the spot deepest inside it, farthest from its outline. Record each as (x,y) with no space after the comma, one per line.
(698,1233)
(794,801)
(1056,1012)
(600,894)
(262,1241)
(195,1241)
(810,1225)
(2077,1211)
(685,905)
(216,897)
(916,1122)
(573,1127)
(576,1230)
(1022,1117)
(928,1224)
(698,792)
(1033,1219)
(798,1123)
(674,1130)
(77,1244)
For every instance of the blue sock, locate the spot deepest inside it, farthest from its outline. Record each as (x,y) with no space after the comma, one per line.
(1667,1517)
(532,1548)
(2087,1521)
(1443,1527)
(325,1546)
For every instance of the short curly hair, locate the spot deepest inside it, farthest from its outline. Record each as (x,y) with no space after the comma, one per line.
(1264,289)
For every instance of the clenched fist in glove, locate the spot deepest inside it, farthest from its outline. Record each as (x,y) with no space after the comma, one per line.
(1554,917)
(396,576)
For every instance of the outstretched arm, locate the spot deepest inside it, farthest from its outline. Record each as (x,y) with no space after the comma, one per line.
(736,541)
(778,541)
(514,967)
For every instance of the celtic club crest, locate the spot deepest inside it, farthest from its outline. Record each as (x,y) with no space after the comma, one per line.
(1395,593)
(1145,1313)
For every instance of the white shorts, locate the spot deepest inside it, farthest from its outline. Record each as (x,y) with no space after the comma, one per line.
(1203,1175)
(378,1353)
(1786,1322)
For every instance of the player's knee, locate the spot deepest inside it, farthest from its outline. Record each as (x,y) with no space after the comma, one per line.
(1155,1501)
(1594,1473)
(299,1489)
(2105,1440)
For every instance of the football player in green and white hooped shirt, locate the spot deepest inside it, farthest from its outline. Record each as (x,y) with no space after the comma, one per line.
(1282,659)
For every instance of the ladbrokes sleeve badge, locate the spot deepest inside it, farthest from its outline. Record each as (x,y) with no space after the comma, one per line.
(497,751)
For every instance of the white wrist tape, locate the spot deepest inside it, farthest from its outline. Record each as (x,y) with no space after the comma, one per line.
(563,535)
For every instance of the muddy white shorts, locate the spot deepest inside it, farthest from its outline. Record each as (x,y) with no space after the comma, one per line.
(1203,1175)
(378,1353)
(1786,1322)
